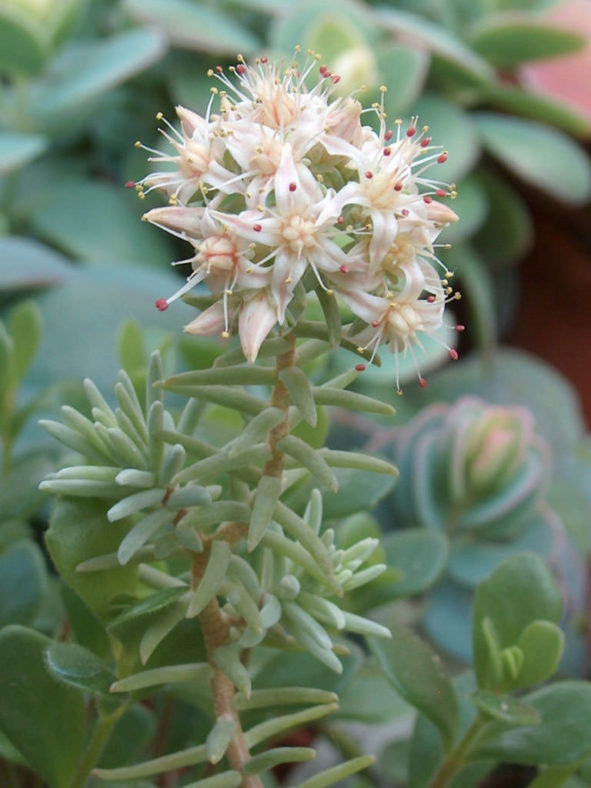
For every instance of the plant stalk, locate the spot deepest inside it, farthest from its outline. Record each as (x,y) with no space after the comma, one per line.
(98,740)
(280,399)
(455,760)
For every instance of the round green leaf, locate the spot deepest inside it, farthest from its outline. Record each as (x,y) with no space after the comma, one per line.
(519,591)
(83,316)
(538,154)
(27,264)
(64,219)
(18,148)
(447,620)
(452,128)
(506,709)
(84,71)
(419,555)
(22,567)
(79,530)
(78,667)
(563,736)
(417,673)
(507,40)
(471,205)
(403,71)
(369,698)
(451,57)
(545,108)
(44,719)
(23,43)
(507,232)
(194,25)
(542,644)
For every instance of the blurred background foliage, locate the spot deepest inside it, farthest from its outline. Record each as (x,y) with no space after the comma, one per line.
(506,469)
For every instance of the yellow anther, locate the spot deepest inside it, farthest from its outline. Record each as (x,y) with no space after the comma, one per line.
(225,334)
(398,122)
(383,89)
(361,350)
(329,292)
(138,144)
(214,90)
(240,58)
(159,116)
(228,292)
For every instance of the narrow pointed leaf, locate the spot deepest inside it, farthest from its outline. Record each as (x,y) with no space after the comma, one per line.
(350,400)
(271,758)
(266,497)
(227,396)
(170,674)
(361,462)
(300,393)
(256,430)
(242,375)
(191,495)
(280,725)
(219,738)
(223,463)
(178,760)
(332,315)
(311,459)
(212,579)
(141,533)
(135,503)
(334,775)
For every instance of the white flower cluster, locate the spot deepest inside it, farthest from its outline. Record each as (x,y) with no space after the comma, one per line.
(282,180)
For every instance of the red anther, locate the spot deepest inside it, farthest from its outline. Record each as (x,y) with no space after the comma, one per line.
(369,174)
(425,142)
(398,187)
(375,323)
(428,200)
(411,131)
(422,383)
(442,159)
(360,367)
(344,269)
(388,135)
(323,68)
(460,327)
(293,187)
(441,193)
(257,228)
(240,69)
(387,151)
(264,59)
(130,185)
(336,79)
(340,220)
(405,211)
(431,299)
(161,304)
(219,69)
(453,354)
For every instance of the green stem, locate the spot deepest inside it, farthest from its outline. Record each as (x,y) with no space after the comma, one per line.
(100,736)
(456,759)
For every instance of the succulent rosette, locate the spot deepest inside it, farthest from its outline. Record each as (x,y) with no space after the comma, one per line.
(280,189)
(479,473)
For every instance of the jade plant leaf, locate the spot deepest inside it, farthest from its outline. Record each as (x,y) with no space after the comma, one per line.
(451,127)
(417,673)
(506,210)
(410,66)
(539,154)
(24,47)
(471,205)
(22,567)
(506,40)
(519,592)
(79,530)
(26,264)
(562,738)
(194,26)
(42,717)
(78,667)
(18,148)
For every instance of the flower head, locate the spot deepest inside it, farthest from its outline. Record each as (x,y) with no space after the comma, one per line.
(282,184)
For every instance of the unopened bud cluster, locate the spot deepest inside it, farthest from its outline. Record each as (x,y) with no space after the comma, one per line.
(281,189)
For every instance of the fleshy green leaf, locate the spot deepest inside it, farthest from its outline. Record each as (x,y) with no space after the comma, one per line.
(78,667)
(539,154)
(79,530)
(507,40)
(44,719)
(520,591)
(417,673)
(25,331)
(506,211)
(26,264)
(85,70)
(212,578)
(452,128)
(336,774)
(451,56)
(563,736)
(266,497)
(505,708)
(24,47)
(18,148)
(63,219)
(22,568)
(410,67)
(191,26)
(471,206)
